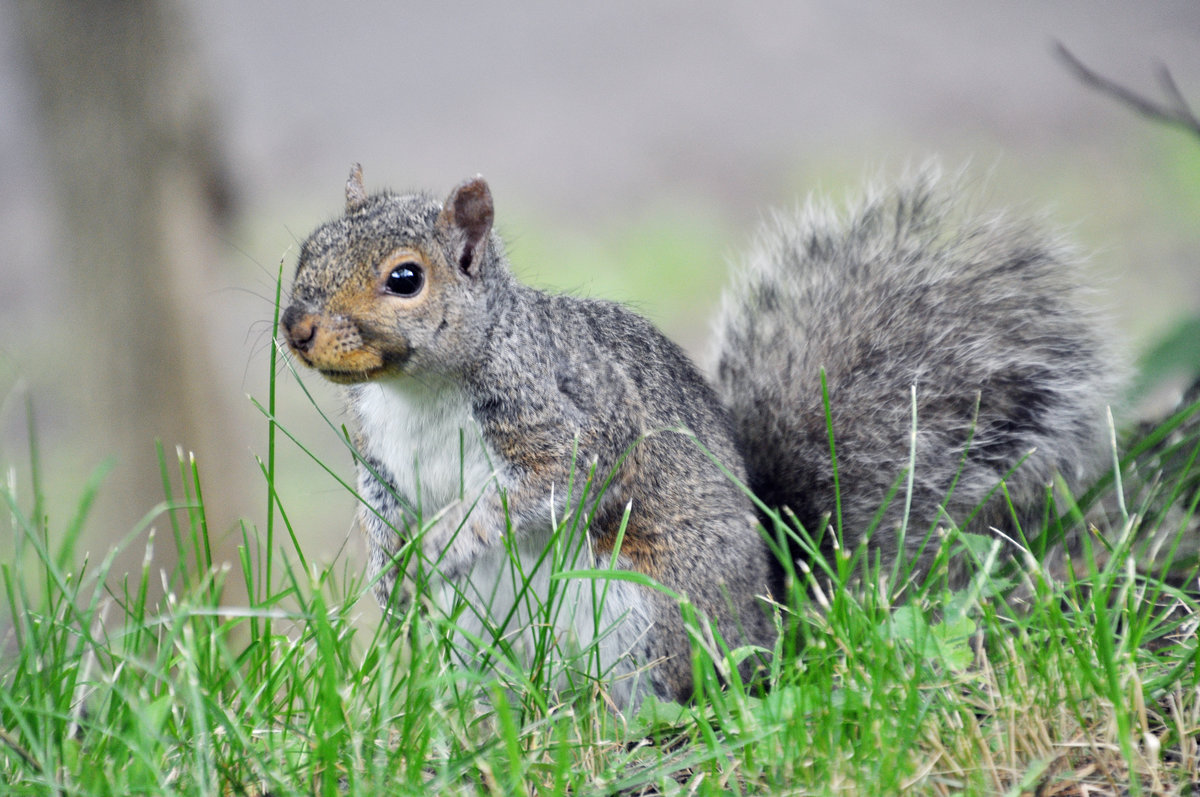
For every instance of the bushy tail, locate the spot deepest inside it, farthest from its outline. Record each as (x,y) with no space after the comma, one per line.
(913,300)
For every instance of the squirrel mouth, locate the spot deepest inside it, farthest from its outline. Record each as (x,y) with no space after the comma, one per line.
(387,365)
(351,377)
(341,376)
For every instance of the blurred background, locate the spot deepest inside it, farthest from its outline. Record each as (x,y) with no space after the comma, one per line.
(158,161)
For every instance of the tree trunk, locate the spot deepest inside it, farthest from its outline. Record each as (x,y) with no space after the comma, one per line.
(141,203)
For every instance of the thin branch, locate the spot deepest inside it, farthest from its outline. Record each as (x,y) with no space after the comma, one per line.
(1175,111)
(1171,89)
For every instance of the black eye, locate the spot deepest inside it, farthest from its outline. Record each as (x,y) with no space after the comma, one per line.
(406,279)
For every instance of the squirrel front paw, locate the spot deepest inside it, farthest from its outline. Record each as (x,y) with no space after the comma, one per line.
(457,537)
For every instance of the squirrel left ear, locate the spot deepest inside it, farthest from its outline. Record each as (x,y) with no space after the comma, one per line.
(469,212)
(356,192)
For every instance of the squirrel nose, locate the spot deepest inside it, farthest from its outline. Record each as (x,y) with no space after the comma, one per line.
(299,328)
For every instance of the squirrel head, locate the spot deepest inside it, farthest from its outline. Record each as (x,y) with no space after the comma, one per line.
(398,286)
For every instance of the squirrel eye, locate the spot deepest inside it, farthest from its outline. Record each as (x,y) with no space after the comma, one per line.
(406,279)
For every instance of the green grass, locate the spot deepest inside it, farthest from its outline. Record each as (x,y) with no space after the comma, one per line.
(145,683)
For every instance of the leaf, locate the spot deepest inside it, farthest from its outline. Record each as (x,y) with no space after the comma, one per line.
(947,642)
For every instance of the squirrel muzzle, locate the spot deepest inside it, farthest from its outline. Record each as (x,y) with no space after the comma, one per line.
(332,345)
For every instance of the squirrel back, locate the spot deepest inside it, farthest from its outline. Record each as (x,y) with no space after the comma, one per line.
(910,302)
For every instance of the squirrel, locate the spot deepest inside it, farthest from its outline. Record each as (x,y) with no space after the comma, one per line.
(488,413)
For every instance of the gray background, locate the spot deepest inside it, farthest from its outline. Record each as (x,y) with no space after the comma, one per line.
(589,118)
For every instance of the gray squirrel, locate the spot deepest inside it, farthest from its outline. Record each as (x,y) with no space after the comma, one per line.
(487,414)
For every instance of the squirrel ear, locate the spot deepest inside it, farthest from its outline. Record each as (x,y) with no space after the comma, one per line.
(356,193)
(468,211)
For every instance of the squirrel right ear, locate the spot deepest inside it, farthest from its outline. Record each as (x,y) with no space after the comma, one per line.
(356,192)
(468,212)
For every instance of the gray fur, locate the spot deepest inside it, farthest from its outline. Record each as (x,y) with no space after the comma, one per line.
(910,289)
(544,387)
(556,385)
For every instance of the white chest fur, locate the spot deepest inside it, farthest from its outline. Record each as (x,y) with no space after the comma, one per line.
(428,440)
